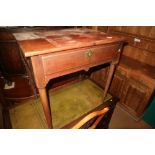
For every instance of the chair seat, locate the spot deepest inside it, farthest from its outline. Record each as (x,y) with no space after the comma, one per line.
(137,70)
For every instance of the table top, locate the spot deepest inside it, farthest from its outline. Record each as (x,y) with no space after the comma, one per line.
(43,41)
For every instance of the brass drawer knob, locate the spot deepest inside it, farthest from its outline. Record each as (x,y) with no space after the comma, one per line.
(89,53)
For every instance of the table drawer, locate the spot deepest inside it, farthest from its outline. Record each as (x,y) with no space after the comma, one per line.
(63,61)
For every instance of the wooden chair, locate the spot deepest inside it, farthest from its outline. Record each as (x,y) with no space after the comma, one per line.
(90,117)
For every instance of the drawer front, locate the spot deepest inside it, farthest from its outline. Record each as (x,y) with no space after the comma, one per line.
(62,61)
(101,54)
(67,60)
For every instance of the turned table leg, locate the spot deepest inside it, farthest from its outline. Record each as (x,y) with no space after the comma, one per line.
(110,74)
(46,106)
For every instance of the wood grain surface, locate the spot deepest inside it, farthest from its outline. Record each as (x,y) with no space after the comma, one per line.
(46,41)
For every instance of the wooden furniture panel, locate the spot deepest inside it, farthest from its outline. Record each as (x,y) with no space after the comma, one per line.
(136,103)
(134,95)
(145,31)
(139,71)
(101,54)
(10,58)
(137,41)
(100,75)
(68,60)
(137,63)
(134,83)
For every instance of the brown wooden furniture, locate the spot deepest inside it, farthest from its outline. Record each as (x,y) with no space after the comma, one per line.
(99,114)
(134,81)
(13,68)
(57,53)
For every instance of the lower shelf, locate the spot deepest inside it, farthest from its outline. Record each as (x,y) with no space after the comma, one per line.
(67,104)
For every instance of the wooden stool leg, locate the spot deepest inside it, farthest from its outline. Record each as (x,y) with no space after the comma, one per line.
(46,107)
(110,74)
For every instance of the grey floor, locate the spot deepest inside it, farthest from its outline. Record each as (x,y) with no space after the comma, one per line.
(122,120)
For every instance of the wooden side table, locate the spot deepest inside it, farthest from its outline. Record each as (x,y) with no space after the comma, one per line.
(61,52)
